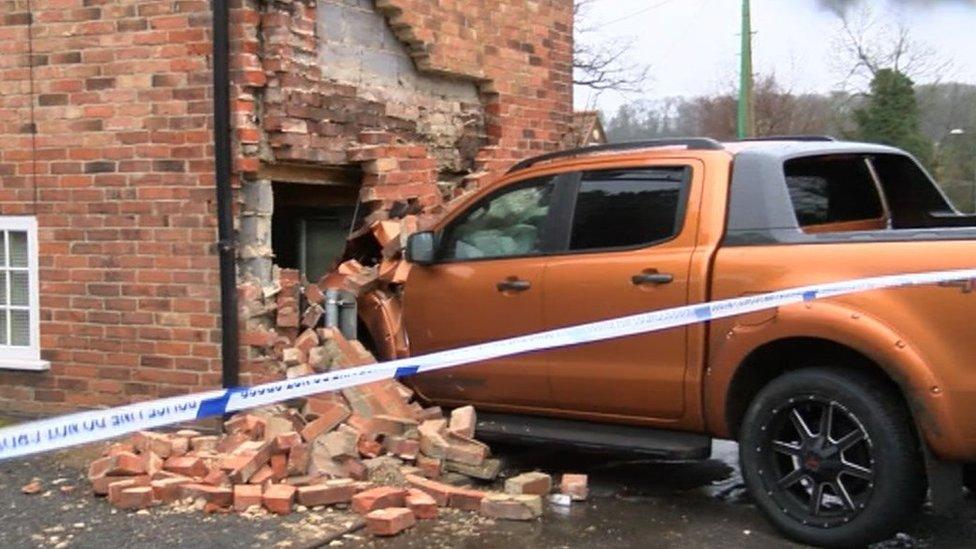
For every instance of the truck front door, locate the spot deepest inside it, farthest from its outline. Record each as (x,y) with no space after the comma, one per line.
(630,251)
(486,284)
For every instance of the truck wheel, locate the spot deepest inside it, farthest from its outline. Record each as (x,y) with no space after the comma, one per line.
(831,458)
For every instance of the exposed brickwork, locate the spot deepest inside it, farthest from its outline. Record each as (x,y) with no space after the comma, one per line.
(120,178)
(120,170)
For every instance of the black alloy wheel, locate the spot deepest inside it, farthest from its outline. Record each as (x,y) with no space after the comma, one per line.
(831,457)
(817,462)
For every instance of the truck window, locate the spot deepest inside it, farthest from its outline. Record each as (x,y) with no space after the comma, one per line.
(630,207)
(509,224)
(834,194)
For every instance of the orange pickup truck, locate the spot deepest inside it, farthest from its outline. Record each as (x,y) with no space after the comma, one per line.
(846,410)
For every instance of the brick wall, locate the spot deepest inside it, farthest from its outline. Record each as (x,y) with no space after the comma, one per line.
(120,176)
(120,171)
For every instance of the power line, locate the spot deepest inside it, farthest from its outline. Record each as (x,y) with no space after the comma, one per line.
(631,15)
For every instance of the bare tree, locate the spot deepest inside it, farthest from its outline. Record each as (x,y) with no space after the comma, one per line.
(870,43)
(601,63)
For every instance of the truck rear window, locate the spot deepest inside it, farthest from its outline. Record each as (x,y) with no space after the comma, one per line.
(828,191)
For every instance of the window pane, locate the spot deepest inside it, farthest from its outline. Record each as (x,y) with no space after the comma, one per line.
(3,326)
(18,249)
(3,248)
(3,287)
(832,190)
(508,225)
(621,208)
(19,290)
(19,328)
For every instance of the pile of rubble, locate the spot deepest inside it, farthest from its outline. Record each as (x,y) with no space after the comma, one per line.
(369,448)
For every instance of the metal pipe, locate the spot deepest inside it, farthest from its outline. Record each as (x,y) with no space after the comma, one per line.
(331,308)
(348,317)
(226,244)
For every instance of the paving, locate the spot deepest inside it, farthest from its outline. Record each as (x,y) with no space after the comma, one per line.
(632,503)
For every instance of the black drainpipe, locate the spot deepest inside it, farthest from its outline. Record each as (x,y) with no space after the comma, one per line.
(225,196)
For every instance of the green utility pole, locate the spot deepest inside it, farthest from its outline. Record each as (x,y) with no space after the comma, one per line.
(746,127)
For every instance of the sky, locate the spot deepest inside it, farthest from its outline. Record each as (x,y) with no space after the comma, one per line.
(692,46)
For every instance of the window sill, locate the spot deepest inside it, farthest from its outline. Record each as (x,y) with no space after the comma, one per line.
(24,364)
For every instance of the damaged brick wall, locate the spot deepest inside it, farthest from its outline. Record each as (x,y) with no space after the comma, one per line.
(332,83)
(427,99)
(106,136)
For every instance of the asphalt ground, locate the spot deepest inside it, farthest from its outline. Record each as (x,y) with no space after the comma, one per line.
(633,503)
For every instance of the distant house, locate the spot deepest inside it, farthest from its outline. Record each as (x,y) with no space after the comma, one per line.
(587,129)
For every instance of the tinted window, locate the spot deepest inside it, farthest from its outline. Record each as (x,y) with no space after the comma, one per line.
(620,208)
(509,224)
(832,190)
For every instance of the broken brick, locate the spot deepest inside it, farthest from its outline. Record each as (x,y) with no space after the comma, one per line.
(512,506)
(278,498)
(247,424)
(533,483)
(378,498)
(298,459)
(247,495)
(328,493)
(488,469)
(390,521)
(439,491)
(218,495)
(574,486)
(421,503)
(466,499)
(187,466)
(137,497)
(157,443)
(463,421)
(329,418)
(168,490)
(286,441)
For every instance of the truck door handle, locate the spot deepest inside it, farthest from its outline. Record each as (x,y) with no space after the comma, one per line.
(651,277)
(513,285)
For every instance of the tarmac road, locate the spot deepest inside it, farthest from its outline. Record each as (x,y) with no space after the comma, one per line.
(634,503)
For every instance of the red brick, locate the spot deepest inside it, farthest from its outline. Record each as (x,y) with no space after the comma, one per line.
(421,503)
(378,498)
(463,421)
(188,466)
(574,486)
(278,498)
(247,495)
(298,460)
(115,487)
(328,420)
(439,491)
(218,495)
(529,483)
(328,493)
(466,499)
(168,489)
(389,521)
(138,497)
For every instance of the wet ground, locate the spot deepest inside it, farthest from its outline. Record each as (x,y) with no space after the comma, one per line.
(634,503)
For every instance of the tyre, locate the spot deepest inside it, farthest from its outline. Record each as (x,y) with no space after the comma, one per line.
(831,458)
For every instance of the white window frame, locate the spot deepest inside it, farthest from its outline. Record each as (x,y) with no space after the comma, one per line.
(21,357)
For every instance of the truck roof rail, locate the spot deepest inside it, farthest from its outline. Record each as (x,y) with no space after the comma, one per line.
(789,138)
(693,143)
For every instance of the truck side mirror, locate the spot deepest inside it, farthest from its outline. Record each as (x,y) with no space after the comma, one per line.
(420,248)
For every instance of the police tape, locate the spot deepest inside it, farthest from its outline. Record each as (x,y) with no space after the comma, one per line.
(91,426)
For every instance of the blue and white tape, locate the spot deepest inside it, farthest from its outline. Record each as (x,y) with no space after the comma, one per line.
(84,427)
